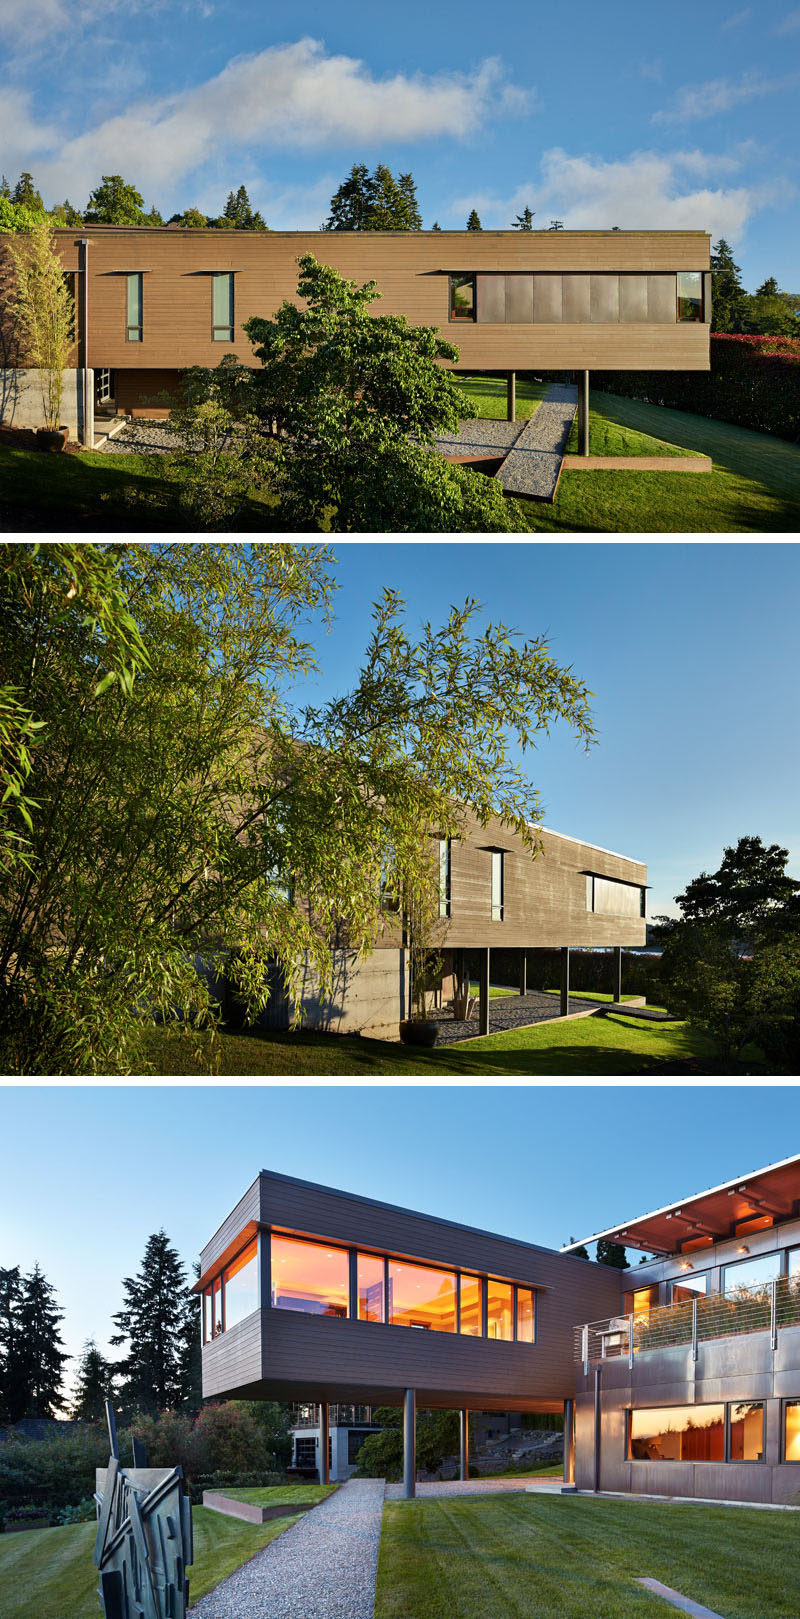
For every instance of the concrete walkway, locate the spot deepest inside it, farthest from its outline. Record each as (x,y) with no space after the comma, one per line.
(533,464)
(323,1567)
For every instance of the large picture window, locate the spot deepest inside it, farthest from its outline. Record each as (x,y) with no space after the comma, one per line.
(678,1433)
(241,1285)
(462,297)
(370,1279)
(751,1273)
(420,1296)
(311,1277)
(500,1310)
(609,898)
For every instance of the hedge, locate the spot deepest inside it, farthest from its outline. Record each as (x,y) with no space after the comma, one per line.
(753,382)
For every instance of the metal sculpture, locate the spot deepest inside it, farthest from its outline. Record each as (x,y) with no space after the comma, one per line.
(144,1537)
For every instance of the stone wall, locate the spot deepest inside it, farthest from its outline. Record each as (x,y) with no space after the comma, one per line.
(21,399)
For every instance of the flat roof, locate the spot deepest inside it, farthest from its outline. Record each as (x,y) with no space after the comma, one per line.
(212,230)
(773,1191)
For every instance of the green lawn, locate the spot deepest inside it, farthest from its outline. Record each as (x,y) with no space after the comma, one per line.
(496,991)
(283,1495)
(754,487)
(49,1573)
(488,395)
(601,1045)
(568,1557)
(600,995)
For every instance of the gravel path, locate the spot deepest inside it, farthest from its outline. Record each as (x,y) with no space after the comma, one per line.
(481,435)
(323,1567)
(534,462)
(142,438)
(479,1486)
(510,1012)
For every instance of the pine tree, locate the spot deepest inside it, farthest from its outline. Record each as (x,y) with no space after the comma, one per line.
(13,1382)
(729,299)
(42,1354)
(375,201)
(523,221)
(65,214)
(436,225)
(581,1252)
(611,1253)
(94,1385)
(5,189)
(238,214)
(473,223)
(153,1323)
(25,193)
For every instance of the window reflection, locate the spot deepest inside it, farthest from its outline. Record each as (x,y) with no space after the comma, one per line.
(208,1331)
(747,1432)
(241,1285)
(219,1324)
(471,1298)
(462,297)
(370,1287)
(679,1433)
(309,1276)
(751,1273)
(690,295)
(500,1315)
(791,1448)
(525,1318)
(422,1297)
(689,1287)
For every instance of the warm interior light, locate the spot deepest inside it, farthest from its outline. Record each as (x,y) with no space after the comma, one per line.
(687,1265)
(743,1248)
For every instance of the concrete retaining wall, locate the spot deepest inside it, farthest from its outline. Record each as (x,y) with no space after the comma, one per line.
(21,399)
(369,997)
(249,1511)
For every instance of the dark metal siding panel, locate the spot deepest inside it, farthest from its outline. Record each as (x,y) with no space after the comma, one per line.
(633,298)
(519,299)
(662,293)
(577,303)
(247,1209)
(604,296)
(491,300)
(548,298)
(234,1359)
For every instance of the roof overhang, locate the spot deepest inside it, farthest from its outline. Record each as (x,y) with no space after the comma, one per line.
(772,1193)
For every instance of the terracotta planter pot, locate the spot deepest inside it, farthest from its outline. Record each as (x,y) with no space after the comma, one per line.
(51,440)
(413,1032)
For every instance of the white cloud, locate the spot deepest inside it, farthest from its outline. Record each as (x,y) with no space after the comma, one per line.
(21,136)
(646,191)
(736,20)
(288,95)
(694,101)
(30,24)
(790,24)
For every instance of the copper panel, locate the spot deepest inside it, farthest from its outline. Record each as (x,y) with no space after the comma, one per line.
(633,297)
(662,296)
(491,298)
(548,298)
(519,299)
(577,302)
(604,297)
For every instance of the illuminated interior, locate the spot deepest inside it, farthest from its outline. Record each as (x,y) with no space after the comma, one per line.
(309,1276)
(471,1299)
(369,1272)
(747,1432)
(678,1433)
(525,1316)
(641,1300)
(422,1297)
(791,1450)
(500,1312)
(689,1287)
(241,1285)
(218,1326)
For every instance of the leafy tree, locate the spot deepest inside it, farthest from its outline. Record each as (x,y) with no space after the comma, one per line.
(42,1354)
(750,891)
(736,999)
(114,202)
(14,217)
(728,295)
(43,312)
(381,1455)
(94,1385)
(359,399)
(13,1371)
(238,214)
(523,221)
(190,219)
(770,312)
(153,1324)
(473,222)
(611,1253)
(167,811)
(25,194)
(65,214)
(375,201)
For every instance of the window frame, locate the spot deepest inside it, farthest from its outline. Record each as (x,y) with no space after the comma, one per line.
(681,1461)
(793,1400)
(223,332)
(457,279)
(498,906)
(136,276)
(686,298)
(753,1461)
(309,1242)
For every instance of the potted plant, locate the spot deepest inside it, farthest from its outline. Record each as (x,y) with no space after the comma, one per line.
(44,319)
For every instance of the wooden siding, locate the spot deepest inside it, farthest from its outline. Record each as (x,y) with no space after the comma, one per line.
(412,274)
(318,1357)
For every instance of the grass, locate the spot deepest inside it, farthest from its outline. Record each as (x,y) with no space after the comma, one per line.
(600,995)
(283,1495)
(753,488)
(50,1573)
(540,1470)
(567,1557)
(496,991)
(607,1045)
(488,395)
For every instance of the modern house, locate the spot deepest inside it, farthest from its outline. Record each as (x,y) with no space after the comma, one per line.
(679,1377)
(152,301)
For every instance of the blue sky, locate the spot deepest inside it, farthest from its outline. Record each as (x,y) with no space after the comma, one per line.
(623,115)
(95,1170)
(690,650)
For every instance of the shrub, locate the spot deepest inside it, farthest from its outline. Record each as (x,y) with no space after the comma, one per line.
(753,382)
(84,1512)
(52,1473)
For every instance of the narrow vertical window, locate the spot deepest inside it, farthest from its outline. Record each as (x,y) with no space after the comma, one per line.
(462,297)
(134,308)
(445,858)
(498,897)
(222,307)
(690,295)
(525,1315)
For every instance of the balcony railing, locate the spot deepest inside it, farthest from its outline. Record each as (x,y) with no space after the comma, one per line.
(693,1321)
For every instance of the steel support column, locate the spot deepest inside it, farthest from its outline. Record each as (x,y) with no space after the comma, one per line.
(565,981)
(616,980)
(511,396)
(483,991)
(583,413)
(523,974)
(597,1424)
(463,1446)
(88,380)
(410,1444)
(569,1441)
(324,1443)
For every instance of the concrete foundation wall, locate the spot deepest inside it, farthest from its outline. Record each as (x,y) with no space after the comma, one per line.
(369,996)
(21,399)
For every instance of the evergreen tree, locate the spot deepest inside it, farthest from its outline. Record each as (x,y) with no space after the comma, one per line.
(42,1354)
(25,193)
(94,1385)
(5,189)
(436,225)
(580,1253)
(153,1324)
(473,223)
(114,202)
(523,221)
(238,214)
(375,201)
(729,298)
(191,1361)
(65,214)
(611,1253)
(13,1382)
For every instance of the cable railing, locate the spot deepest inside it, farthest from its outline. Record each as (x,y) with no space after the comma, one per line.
(693,1321)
